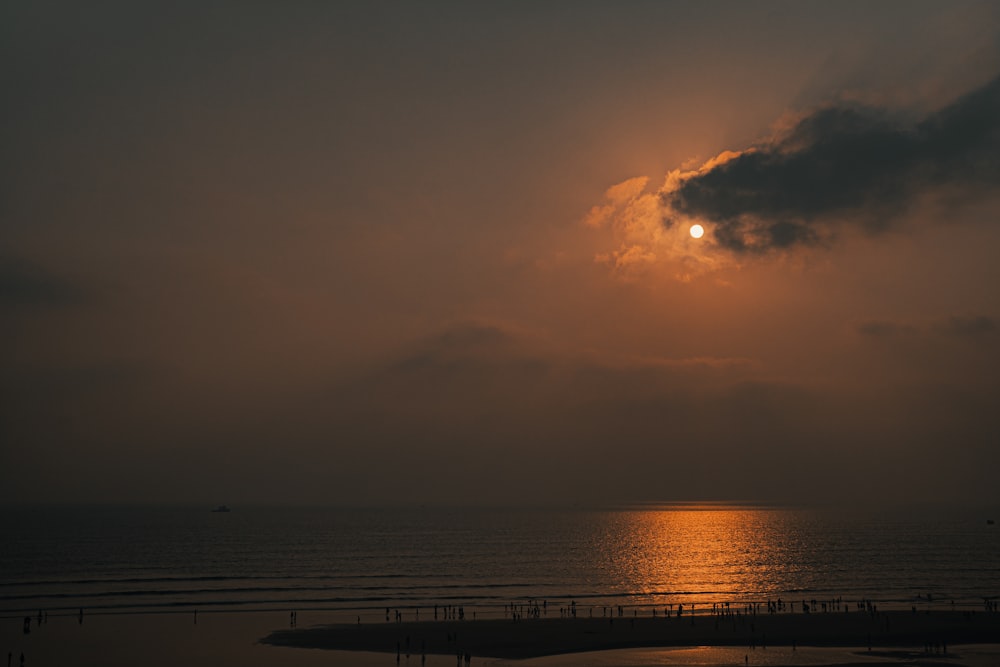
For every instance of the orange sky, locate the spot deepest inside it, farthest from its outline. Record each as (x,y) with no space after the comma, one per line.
(389,253)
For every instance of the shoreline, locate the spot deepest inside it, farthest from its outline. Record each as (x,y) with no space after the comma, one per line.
(933,632)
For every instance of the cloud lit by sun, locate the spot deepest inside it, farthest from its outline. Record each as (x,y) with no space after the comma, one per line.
(791,192)
(648,235)
(844,165)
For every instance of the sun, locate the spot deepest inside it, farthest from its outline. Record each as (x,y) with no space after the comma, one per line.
(697,231)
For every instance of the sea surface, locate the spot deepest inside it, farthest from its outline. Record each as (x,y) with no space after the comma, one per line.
(362,561)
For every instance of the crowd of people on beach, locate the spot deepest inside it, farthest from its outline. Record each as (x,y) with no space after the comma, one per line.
(535,609)
(446,612)
(746,611)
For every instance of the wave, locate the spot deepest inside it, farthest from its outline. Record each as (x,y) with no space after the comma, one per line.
(261,589)
(275,577)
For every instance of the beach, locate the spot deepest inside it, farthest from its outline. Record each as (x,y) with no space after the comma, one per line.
(256,639)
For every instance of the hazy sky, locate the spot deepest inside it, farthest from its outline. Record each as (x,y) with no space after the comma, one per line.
(366,253)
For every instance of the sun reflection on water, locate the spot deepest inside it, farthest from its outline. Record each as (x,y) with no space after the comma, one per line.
(701,553)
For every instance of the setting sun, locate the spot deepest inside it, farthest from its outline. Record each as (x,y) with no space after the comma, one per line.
(697,231)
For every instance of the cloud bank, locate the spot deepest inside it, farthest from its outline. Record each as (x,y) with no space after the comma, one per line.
(838,166)
(844,163)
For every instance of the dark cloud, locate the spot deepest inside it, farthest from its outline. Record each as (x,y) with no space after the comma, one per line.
(480,410)
(485,410)
(485,413)
(26,285)
(977,327)
(884,329)
(847,161)
(459,341)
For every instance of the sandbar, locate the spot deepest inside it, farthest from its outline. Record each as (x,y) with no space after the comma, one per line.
(931,633)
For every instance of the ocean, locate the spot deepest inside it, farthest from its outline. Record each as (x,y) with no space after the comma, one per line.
(359,562)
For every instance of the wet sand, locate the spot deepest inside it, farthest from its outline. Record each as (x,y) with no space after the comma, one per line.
(532,638)
(715,656)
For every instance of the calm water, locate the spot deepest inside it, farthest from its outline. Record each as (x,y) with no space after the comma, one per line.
(362,561)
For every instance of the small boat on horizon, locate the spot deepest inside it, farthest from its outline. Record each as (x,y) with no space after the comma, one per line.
(221,508)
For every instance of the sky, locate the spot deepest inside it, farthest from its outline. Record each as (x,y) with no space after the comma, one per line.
(438,253)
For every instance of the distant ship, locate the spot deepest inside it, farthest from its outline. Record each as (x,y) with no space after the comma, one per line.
(221,508)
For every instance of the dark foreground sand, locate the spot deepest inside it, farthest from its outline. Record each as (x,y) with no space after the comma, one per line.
(251,639)
(937,631)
